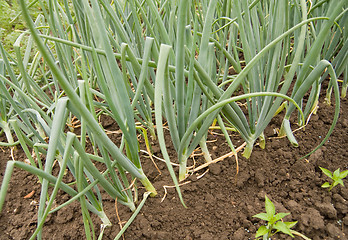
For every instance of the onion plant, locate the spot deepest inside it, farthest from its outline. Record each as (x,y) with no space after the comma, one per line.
(51,114)
(80,166)
(16,102)
(265,66)
(263,34)
(108,75)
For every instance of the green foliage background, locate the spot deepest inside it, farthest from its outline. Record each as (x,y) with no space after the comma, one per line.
(11,25)
(8,33)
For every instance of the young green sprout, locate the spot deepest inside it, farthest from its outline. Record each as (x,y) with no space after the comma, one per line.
(274,222)
(336,177)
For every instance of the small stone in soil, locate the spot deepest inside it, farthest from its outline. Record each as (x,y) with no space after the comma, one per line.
(155,149)
(242,179)
(206,236)
(345,123)
(312,218)
(341,207)
(344,193)
(334,231)
(327,210)
(338,198)
(215,169)
(287,155)
(160,235)
(260,179)
(261,195)
(282,172)
(64,216)
(280,207)
(239,234)
(293,206)
(313,158)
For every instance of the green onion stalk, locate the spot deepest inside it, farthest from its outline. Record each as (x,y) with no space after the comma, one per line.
(77,104)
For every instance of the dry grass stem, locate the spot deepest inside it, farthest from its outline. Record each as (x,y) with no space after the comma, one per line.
(218,159)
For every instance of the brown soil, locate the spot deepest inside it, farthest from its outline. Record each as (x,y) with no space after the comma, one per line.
(218,208)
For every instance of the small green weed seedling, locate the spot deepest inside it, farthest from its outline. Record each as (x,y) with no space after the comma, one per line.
(336,177)
(274,222)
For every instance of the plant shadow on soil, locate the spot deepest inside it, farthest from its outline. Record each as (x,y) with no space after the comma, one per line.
(218,207)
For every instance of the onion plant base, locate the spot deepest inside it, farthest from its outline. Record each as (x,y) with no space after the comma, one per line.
(183,170)
(248,150)
(149,187)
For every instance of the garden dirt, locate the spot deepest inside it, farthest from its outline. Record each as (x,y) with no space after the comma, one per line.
(219,204)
